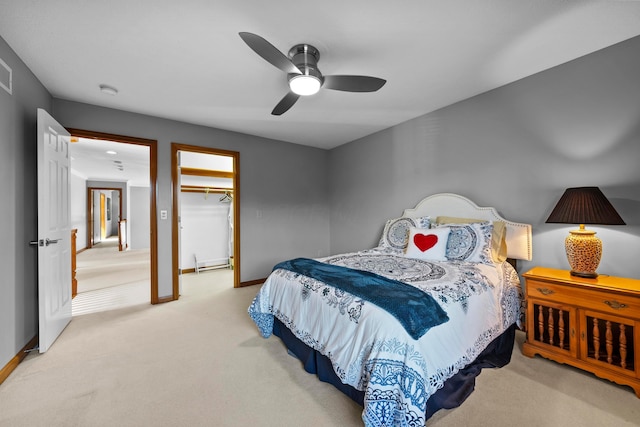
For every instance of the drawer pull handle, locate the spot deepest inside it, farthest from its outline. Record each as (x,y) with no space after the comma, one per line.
(545,291)
(615,304)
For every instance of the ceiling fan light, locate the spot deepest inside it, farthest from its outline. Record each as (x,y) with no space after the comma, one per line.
(304,84)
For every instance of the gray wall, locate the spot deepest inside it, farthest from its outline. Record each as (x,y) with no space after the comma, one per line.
(516,148)
(284,208)
(18,289)
(138,220)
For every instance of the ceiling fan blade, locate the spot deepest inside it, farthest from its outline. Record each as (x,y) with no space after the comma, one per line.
(285,103)
(269,53)
(353,83)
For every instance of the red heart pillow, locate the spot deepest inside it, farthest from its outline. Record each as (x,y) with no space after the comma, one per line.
(428,244)
(424,242)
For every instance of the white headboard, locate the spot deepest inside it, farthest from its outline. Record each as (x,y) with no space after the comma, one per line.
(448,204)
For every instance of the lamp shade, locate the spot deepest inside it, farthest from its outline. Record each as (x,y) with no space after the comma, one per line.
(584,205)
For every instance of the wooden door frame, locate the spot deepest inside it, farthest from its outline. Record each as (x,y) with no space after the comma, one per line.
(175,148)
(103,216)
(153,188)
(90,242)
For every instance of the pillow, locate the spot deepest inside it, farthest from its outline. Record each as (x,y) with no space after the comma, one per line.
(469,242)
(396,231)
(498,237)
(428,244)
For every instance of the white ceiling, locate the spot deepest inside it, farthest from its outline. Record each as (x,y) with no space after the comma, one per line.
(93,159)
(184,60)
(99,160)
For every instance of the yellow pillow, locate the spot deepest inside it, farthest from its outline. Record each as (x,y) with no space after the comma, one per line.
(498,237)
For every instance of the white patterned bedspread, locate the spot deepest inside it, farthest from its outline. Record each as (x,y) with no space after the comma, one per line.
(369,348)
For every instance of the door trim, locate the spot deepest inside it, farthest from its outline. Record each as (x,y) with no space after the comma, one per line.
(175,147)
(153,183)
(103,216)
(90,242)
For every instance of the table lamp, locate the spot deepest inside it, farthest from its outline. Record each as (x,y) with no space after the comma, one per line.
(584,205)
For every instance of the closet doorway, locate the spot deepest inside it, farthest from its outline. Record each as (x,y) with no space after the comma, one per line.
(206,194)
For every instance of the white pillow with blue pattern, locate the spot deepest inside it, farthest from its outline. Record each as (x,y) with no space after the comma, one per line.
(396,231)
(469,242)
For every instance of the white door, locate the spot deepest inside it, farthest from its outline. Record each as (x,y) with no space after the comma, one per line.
(54,230)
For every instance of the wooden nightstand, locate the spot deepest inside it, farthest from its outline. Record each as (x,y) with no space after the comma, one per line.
(592,324)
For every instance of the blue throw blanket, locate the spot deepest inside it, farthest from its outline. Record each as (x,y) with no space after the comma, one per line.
(415,310)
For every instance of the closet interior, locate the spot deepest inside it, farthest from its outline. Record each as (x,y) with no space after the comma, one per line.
(206,212)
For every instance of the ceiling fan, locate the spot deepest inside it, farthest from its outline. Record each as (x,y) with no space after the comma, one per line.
(303,75)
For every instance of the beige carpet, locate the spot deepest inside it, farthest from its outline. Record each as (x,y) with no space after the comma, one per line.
(200,361)
(109,279)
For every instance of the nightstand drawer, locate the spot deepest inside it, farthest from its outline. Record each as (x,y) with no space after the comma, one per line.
(606,302)
(550,291)
(601,300)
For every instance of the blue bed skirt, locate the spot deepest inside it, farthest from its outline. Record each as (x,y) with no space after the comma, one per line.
(455,391)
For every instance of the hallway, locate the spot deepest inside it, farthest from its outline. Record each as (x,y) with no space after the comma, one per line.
(109,279)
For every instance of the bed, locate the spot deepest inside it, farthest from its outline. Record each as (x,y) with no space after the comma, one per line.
(405,327)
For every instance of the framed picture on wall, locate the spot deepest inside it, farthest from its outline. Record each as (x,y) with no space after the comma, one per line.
(108,208)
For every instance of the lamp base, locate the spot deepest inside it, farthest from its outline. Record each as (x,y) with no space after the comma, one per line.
(585,275)
(584,251)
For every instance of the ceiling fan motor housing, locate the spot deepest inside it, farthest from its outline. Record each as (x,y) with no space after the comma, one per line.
(306,57)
